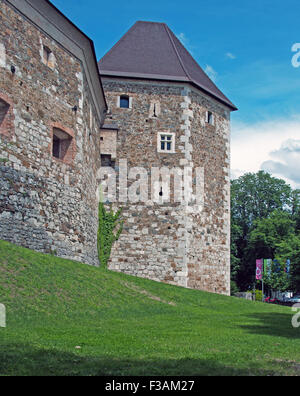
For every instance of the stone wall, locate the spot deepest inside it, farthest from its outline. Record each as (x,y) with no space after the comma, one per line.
(108,142)
(46,203)
(209,251)
(178,243)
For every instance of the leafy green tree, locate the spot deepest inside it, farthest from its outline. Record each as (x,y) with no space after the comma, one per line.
(255,196)
(236,233)
(262,242)
(290,249)
(296,207)
(268,232)
(277,280)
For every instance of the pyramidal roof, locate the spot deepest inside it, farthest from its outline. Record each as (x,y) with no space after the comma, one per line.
(150,50)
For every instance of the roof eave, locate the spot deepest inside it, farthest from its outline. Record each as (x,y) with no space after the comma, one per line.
(106,73)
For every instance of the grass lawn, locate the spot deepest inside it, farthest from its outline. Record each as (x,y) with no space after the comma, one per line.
(130,326)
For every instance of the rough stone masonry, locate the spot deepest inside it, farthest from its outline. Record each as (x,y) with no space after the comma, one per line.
(48,202)
(153,106)
(154,88)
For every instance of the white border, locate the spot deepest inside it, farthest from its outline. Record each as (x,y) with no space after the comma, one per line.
(159,150)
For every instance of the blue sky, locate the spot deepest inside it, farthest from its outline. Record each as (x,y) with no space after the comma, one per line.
(245,46)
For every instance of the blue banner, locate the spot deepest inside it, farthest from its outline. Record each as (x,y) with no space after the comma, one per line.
(277,267)
(288,266)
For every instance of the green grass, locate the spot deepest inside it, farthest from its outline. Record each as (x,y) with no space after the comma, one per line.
(131,326)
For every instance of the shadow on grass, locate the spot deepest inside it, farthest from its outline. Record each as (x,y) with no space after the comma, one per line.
(25,360)
(273,324)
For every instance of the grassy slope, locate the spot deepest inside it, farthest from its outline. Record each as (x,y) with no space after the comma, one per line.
(130,326)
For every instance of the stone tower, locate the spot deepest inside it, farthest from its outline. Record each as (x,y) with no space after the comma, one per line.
(164,111)
(51,108)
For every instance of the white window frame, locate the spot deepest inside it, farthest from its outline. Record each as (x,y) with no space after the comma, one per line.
(119,102)
(210,120)
(159,141)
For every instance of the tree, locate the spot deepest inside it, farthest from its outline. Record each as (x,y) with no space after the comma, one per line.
(236,233)
(296,207)
(256,196)
(277,279)
(268,232)
(290,249)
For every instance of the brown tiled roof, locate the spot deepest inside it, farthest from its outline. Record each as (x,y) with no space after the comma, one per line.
(150,50)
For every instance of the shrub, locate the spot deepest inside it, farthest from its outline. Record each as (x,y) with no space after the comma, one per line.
(109,231)
(258,295)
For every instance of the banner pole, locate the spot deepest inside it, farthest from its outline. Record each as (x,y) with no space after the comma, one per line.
(262,279)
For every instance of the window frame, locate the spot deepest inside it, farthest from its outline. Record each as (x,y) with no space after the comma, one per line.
(160,141)
(129,102)
(210,118)
(69,156)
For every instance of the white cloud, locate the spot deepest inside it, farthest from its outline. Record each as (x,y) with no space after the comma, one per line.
(212,74)
(285,162)
(230,55)
(273,146)
(186,42)
(182,38)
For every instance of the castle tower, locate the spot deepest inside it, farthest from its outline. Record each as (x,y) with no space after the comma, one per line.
(51,108)
(164,111)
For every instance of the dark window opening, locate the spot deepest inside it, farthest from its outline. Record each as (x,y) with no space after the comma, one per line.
(210,118)
(47,55)
(4,107)
(124,102)
(56,147)
(106,161)
(61,143)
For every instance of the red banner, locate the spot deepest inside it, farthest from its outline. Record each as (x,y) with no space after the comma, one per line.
(259,269)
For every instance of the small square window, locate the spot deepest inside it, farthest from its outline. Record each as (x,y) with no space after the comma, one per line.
(166,142)
(107,161)
(124,102)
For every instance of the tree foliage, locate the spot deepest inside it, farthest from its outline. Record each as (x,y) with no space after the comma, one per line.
(265,223)
(256,196)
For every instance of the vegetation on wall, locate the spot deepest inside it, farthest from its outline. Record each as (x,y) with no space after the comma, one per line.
(3,147)
(109,231)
